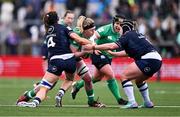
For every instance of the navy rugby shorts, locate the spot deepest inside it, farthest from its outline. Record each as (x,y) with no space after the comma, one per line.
(57,66)
(100,60)
(149,66)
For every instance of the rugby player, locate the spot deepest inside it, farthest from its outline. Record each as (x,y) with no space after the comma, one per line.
(60,56)
(67,21)
(147,61)
(102,61)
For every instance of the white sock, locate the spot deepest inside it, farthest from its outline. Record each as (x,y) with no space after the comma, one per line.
(129,90)
(143,88)
(61,92)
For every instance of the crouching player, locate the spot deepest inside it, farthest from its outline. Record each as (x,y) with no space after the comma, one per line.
(147,61)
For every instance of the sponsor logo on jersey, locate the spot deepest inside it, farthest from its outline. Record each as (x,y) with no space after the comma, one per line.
(50,29)
(110,37)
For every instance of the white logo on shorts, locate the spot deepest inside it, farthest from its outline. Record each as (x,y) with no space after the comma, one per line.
(54,68)
(147,69)
(102,57)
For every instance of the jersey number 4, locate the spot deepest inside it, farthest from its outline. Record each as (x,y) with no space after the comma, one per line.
(50,42)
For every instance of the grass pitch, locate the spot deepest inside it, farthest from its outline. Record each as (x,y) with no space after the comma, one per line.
(166,97)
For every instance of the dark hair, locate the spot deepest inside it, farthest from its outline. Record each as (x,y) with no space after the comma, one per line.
(128,25)
(118,18)
(50,18)
(68,11)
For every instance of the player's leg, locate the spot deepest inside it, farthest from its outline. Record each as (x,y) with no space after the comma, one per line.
(79,84)
(64,87)
(84,74)
(69,66)
(96,60)
(144,90)
(148,67)
(96,78)
(46,84)
(130,73)
(112,83)
(28,95)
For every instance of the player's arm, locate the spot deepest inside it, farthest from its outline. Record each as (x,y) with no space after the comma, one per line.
(107,46)
(118,54)
(80,40)
(83,53)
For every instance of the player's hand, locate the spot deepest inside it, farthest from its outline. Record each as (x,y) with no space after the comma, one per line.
(109,51)
(97,52)
(88,47)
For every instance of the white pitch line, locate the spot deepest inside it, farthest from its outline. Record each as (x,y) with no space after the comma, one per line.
(108,106)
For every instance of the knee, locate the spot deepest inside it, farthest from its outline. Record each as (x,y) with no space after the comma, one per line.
(45,83)
(139,82)
(123,77)
(87,79)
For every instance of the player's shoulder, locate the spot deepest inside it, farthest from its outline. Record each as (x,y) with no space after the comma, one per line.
(104,29)
(77,30)
(131,33)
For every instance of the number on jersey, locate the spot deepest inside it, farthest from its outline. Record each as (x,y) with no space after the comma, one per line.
(50,42)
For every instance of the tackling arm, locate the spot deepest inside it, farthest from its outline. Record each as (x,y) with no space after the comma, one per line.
(118,54)
(80,40)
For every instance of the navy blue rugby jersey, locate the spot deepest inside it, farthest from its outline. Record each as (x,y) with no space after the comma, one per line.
(135,44)
(58,40)
(44,50)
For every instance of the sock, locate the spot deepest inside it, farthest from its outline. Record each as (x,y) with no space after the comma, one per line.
(80,83)
(129,91)
(30,94)
(61,92)
(114,88)
(90,95)
(37,100)
(143,88)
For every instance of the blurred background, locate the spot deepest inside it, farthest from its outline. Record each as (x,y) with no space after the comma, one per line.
(21,65)
(21,30)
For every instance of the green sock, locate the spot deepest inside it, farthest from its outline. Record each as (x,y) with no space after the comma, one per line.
(90,95)
(80,83)
(30,94)
(114,88)
(95,80)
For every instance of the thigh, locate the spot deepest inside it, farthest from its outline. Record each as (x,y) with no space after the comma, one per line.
(97,74)
(107,71)
(132,72)
(50,77)
(70,76)
(82,68)
(149,66)
(70,65)
(100,61)
(56,66)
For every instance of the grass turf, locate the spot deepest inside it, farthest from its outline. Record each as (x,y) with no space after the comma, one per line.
(164,95)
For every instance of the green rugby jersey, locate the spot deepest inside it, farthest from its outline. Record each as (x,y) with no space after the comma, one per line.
(62,22)
(107,35)
(74,43)
(77,31)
